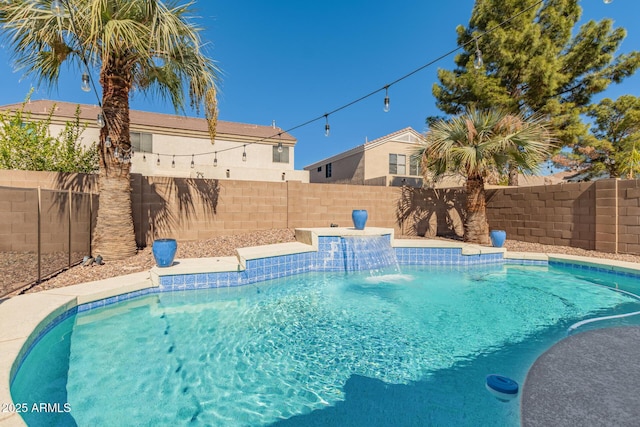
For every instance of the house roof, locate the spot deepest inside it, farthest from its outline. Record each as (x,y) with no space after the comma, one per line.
(145,119)
(367,146)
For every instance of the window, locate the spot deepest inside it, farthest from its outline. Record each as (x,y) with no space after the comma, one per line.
(319,168)
(280,157)
(397,164)
(141,142)
(414,165)
(327,170)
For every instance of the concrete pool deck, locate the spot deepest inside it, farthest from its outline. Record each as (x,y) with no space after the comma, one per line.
(588,379)
(24,317)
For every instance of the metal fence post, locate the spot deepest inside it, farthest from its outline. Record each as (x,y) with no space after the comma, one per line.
(70,205)
(39,235)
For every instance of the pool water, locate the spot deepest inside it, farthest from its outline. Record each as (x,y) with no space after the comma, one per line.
(325,349)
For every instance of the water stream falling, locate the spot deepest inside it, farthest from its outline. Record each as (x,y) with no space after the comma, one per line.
(370,253)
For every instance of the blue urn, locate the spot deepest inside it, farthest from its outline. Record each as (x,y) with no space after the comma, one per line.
(164,250)
(497,238)
(359,217)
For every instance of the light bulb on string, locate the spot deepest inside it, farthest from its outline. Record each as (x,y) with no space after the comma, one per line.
(85,86)
(193,164)
(57,8)
(144,156)
(215,159)
(158,160)
(607,1)
(327,128)
(100,120)
(244,153)
(115,153)
(478,62)
(107,141)
(173,161)
(279,144)
(386,99)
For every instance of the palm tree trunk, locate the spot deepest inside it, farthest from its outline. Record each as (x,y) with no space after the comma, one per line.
(114,236)
(476,228)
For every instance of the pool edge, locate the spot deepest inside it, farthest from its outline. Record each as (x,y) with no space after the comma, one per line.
(25,317)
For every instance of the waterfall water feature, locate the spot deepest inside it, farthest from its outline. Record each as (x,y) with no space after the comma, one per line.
(370,253)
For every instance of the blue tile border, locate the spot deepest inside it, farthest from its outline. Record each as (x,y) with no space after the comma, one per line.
(594,268)
(118,298)
(511,261)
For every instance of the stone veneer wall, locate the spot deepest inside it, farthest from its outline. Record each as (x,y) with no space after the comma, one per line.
(601,215)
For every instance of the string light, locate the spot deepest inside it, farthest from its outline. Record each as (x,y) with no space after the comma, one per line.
(100,120)
(158,161)
(327,128)
(107,141)
(193,164)
(144,156)
(279,143)
(244,153)
(478,62)
(386,99)
(173,162)
(607,1)
(85,86)
(57,8)
(215,160)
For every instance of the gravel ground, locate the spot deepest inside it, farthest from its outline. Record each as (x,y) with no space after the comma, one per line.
(226,245)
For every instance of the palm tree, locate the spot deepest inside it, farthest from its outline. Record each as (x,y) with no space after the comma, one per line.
(478,144)
(144,45)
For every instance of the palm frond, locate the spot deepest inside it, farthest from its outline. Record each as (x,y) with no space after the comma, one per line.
(485,142)
(152,45)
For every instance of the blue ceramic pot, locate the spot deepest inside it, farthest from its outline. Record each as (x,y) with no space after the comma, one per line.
(359,217)
(497,238)
(164,250)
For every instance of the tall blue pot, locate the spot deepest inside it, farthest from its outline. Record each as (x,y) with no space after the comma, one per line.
(497,238)
(359,217)
(164,250)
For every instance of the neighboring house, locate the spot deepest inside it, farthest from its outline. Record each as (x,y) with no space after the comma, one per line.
(386,161)
(166,145)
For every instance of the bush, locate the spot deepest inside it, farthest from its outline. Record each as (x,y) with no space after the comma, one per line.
(26,144)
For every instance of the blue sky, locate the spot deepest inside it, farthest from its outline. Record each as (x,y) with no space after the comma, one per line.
(293,61)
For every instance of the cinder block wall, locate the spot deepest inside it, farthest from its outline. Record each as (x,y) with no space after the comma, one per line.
(552,215)
(602,215)
(19,211)
(49,180)
(194,209)
(320,205)
(628,217)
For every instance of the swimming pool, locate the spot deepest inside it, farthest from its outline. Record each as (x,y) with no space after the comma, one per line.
(329,348)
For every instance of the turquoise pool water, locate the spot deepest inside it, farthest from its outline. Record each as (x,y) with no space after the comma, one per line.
(325,349)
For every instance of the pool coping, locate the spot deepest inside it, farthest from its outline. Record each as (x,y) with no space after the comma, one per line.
(24,317)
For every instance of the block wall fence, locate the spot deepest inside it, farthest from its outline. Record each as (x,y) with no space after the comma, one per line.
(602,215)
